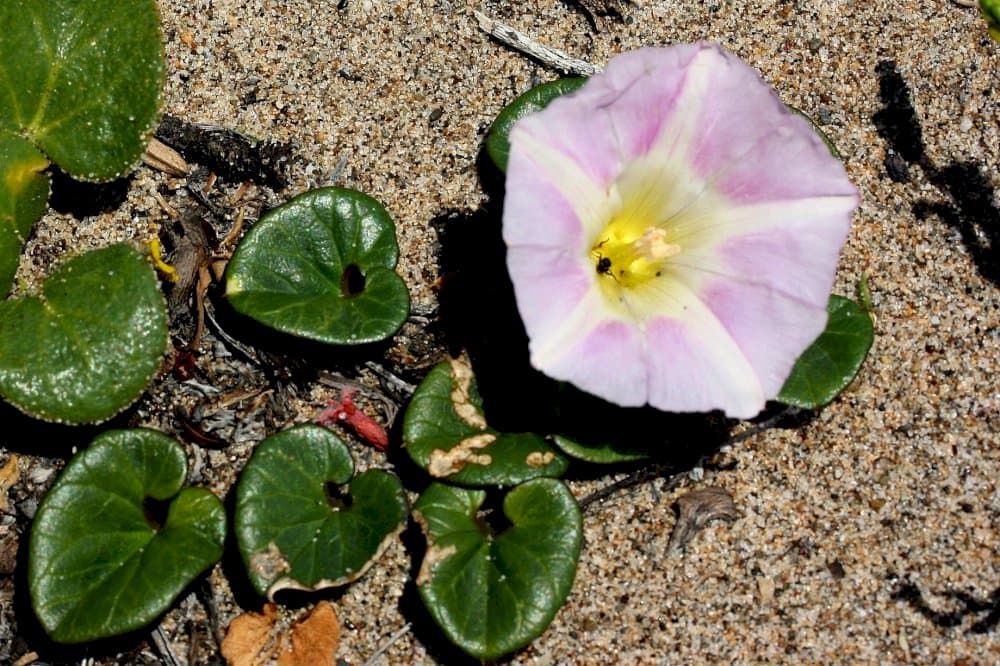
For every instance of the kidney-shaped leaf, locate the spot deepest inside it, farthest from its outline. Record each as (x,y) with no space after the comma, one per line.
(493,594)
(87,345)
(296,529)
(24,189)
(445,432)
(82,79)
(832,361)
(103,560)
(321,266)
(536,99)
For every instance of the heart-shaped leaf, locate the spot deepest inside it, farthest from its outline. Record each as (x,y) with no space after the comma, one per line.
(831,363)
(493,594)
(322,267)
(295,527)
(81,79)
(102,559)
(24,189)
(87,345)
(445,432)
(536,99)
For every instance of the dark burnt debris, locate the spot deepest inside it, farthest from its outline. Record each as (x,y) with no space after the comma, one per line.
(969,605)
(970,209)
(228,153)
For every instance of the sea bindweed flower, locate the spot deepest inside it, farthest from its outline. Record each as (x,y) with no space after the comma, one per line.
(673,231)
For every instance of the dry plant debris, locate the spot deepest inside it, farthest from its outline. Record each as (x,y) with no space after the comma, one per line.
(269,637)
(695,510)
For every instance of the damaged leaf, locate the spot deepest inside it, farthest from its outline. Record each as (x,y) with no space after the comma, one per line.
(445,432)
(254,639)
(493,593)
(695,510)
(296,528)
(322,266)
(116,539)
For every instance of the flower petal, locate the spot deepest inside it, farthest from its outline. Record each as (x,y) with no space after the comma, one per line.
(695,367)
(537,274)
(612,352)
(751,148)
(687,142)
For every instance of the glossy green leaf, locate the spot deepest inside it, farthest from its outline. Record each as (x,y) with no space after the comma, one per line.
(604,454)
(830,364)
(322,267)
(492,594)
(990,9)
(102,559)
(536,99)
(295,530)
(445,432)
(24,189)
(82,80)
(86,346)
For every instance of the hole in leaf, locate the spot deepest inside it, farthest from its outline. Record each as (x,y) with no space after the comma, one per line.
(491,519)
(337,496)
(352,281)
(156,512)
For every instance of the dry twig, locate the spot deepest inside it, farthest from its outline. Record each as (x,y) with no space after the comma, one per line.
(548,56)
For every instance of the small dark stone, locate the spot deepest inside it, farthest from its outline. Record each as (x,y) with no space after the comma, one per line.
(836,569)
(897,168)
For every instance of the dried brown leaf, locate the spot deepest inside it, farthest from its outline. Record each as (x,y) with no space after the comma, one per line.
(314,639)
(10,474)
(250,639)
(259,639)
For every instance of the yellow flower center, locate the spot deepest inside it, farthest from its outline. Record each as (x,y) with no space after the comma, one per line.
(631,252)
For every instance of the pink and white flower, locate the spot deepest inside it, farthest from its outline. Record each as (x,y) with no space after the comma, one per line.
(673,231)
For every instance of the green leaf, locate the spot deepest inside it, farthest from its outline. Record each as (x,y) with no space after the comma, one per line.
(87,346)
(293,531)
(82,80)
(24,189)
(603,454)
(831,363)
(536,99)
(816,128)
(445,432)
(492,594)
(990,9)
(101,562)
(322,267)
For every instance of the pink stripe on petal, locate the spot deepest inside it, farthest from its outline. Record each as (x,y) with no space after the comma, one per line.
(570,126)
(643,88)
(752,148)
(691,370)
(537,213)
(537,274)
(605,360)
(793,261)
(770,328)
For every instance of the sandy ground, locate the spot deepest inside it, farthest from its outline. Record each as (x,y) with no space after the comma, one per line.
(890,492)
